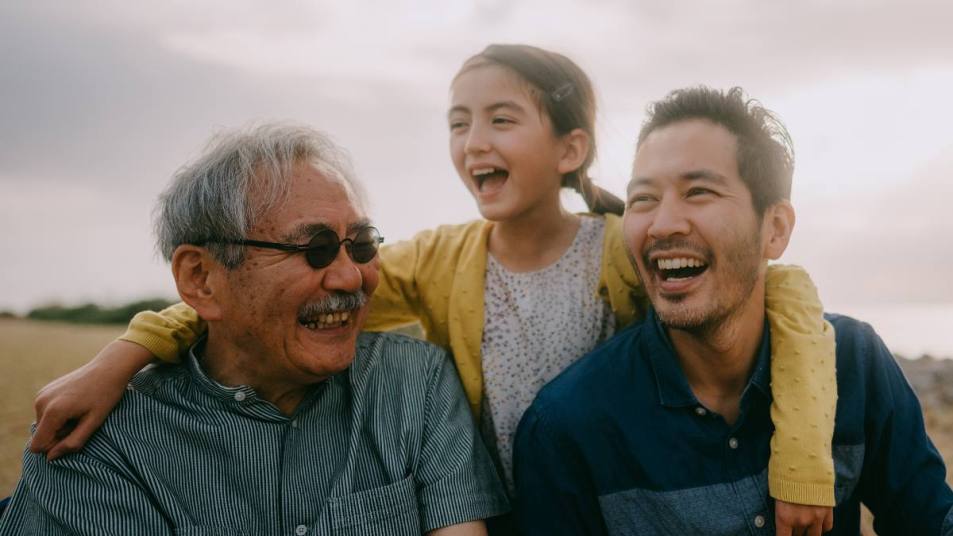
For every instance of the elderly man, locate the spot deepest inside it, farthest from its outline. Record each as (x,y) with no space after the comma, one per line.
(286,419)
(666,429)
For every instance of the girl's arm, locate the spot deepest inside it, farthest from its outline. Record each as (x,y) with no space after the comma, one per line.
(72,407)
(804,390)
(166,334)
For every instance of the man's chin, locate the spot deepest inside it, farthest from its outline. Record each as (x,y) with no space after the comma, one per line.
(677,313)
(324,361)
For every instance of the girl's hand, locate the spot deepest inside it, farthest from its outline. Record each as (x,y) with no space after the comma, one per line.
(798,519)
(69,409)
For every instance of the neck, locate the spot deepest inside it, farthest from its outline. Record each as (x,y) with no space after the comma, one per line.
(228,364)
(718,360)
(535,239)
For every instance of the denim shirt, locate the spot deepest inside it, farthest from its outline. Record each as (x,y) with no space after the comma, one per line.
(619,444)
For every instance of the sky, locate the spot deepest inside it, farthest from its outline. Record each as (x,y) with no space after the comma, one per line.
(101,101)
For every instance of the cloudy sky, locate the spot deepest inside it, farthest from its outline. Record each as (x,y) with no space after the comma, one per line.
(103,100)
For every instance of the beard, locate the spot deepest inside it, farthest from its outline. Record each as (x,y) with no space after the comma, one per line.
(733,275)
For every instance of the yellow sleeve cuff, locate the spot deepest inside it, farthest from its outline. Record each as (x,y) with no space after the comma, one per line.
(167,333)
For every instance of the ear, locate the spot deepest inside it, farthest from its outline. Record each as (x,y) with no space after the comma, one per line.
(575,150)
(195,272)
(776,228)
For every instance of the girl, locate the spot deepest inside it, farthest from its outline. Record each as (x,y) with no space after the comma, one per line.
(518,296)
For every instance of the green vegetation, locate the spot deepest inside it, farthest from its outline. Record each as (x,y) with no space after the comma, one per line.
(92,313)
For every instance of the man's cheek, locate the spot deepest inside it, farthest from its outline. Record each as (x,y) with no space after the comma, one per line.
(370,276)
(632,241)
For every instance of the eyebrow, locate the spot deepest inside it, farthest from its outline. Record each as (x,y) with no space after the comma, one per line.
(307,230)
(513,105)
(694,175)
(704,175)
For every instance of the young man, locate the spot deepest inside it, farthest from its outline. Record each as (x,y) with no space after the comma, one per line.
(666,429)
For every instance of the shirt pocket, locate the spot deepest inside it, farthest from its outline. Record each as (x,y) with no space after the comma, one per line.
(391,509)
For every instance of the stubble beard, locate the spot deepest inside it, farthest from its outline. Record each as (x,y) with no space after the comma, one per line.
(731,290)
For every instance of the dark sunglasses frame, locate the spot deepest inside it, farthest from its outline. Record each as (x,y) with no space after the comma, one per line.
(324,246)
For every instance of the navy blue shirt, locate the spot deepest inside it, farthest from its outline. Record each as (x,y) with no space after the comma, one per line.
(618,444)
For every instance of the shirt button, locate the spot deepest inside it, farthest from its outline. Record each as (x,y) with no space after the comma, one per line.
(733,443)
(239,396)
(301,530)
(700,411)
(759,521)
(294,423)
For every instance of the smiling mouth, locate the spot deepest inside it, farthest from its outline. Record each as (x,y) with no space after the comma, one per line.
(489,178)
(332,320)
(679,268)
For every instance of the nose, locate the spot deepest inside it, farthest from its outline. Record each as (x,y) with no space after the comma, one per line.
(477,140)
(343,274)
(669,218)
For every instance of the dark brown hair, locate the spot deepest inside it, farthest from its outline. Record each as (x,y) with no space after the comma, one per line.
(765,153)
(565,93)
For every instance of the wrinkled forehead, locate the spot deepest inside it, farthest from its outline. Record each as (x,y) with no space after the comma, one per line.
(345,179)
(274,188)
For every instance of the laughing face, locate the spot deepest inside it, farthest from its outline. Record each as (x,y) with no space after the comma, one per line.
(297,322)
(690,226)
(502,145)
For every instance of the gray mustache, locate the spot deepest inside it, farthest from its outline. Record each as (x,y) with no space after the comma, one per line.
(342,301)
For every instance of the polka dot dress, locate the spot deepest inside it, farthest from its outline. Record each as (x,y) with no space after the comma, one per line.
(536,324)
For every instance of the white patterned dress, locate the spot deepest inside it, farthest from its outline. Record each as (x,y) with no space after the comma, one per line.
(536,324)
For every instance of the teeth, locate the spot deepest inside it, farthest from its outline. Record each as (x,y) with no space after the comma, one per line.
(680,262)
(328,320)
(482,171)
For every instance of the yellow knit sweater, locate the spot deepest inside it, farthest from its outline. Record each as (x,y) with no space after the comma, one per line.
(437,279)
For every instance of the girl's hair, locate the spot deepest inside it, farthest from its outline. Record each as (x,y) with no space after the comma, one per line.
(564,91)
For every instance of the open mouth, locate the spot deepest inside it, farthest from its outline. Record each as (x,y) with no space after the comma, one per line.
(680,268)
(332,320)
(489,178)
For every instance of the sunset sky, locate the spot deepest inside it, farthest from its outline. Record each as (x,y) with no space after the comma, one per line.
(103,100)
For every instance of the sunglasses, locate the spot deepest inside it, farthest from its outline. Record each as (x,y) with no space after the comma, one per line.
(323,247)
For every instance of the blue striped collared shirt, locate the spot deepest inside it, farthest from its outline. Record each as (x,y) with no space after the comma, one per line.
(387,447)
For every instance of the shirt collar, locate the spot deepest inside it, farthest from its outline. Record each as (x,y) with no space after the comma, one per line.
(242,398)
(673,388)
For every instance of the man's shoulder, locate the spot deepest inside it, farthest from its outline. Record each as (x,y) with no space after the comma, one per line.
(856,340)
(594,378)
(864,363)
(156,385)
(395,354)
(848,327)
(149,391)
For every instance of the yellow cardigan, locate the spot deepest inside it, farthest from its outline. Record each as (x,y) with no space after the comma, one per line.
(437,279)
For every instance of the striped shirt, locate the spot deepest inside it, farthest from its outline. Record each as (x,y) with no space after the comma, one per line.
(386,447)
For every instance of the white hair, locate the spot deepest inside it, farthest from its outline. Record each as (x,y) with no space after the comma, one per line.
(211,198)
